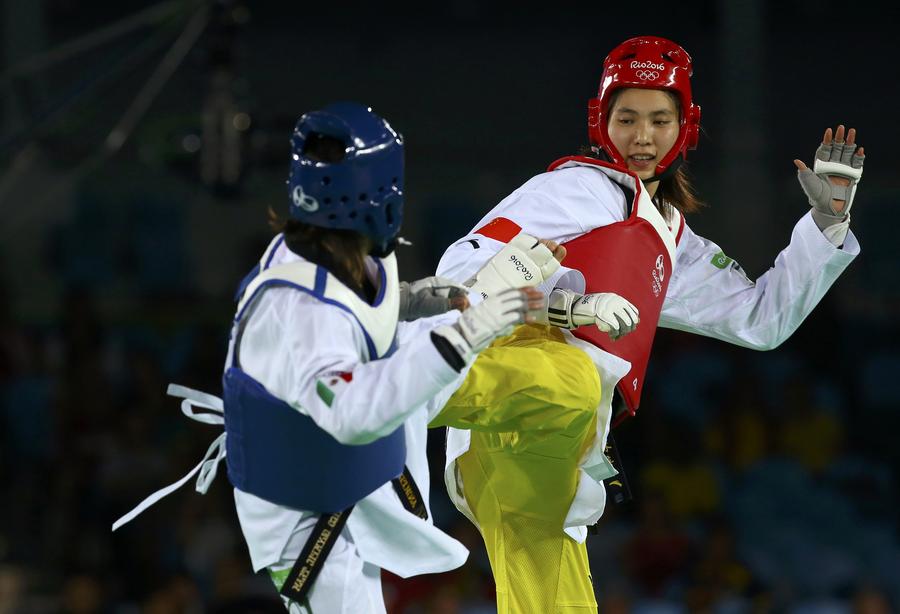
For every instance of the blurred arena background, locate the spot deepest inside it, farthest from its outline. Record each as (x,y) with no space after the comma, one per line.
(141,144)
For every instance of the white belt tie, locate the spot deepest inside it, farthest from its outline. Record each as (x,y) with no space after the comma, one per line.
(208,466)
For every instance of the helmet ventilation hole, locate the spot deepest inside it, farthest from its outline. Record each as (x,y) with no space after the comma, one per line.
(363,197)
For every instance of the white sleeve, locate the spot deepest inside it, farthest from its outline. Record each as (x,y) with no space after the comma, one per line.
(559,206)
(307,353)
(532,211)
(411,332)
(709,293)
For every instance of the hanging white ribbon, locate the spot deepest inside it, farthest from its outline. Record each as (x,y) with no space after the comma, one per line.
(208,466)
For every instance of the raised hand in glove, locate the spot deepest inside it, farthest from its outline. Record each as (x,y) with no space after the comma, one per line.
(831,184)
(524,261)
(430,296)
(610,312)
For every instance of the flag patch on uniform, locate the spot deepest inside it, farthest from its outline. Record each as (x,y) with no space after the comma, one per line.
(328,385)
(720,260)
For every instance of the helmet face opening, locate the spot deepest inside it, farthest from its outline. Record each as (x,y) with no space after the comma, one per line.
(320,147)
(648,62)
(347,173)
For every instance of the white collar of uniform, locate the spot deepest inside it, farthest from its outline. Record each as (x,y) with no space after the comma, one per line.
(278,253)
(378,321)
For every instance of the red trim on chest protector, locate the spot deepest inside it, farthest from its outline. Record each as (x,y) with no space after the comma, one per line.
(679,217)
(680,230)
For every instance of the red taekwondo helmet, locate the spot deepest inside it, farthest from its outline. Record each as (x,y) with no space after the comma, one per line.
(648,62)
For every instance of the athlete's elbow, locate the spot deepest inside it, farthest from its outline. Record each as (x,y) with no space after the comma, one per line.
(349,424)
(765,347)
(354,435)
(765,343)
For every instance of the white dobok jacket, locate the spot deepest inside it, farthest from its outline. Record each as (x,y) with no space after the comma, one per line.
(708,294)
(294,344)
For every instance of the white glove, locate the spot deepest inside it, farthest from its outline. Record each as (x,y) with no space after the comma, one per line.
(524,261)
(428,297)
(610,312)
(494,317)
(833,159)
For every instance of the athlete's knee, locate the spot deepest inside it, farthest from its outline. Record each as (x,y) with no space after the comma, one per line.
(576,372)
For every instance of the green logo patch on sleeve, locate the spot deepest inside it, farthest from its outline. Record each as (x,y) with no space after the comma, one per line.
(720,260)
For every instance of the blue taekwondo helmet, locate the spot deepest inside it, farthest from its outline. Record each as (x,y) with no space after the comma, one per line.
(363,191)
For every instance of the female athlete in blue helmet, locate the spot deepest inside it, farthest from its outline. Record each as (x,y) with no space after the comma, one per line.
(527,456)
(334,370)
(317,327)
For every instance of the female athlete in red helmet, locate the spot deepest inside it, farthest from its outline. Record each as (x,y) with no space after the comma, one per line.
(527,449)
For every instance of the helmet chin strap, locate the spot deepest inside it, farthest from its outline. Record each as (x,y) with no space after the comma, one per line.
(666,174)
(669,172)
(384,250)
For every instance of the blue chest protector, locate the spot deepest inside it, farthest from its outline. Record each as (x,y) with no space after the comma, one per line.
(281,455)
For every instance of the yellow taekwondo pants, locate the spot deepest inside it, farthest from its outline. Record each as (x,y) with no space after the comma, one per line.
(530,401)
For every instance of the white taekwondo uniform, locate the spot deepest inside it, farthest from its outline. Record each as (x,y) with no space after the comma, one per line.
(708,294)
(293,344)
(315,354)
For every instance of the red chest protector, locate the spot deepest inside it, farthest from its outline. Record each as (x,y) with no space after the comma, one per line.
(633,259)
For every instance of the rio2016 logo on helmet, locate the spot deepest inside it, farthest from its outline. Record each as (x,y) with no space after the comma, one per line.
(360,191)
(648,62)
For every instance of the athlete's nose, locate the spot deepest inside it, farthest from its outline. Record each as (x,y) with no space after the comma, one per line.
(641,134)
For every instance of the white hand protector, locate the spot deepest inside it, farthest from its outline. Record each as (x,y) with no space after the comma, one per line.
(428,297)
(610,312)
(494,317)
(524,261)
(835,159)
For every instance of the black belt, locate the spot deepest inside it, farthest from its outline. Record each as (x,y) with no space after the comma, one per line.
(616,486)
(325,534)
